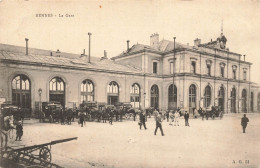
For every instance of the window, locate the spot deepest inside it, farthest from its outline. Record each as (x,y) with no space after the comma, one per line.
(222,72)
(192,97)
(154,96)
(193,67)
(222,69)
(135,95)
(207,95)
(87,91)
(244,75)
(57,90)
(155,64)
(234,71)
(21,91)
(234,74)
(209,70)
(112,93)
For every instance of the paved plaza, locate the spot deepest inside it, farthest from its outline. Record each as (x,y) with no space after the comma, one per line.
(209,143)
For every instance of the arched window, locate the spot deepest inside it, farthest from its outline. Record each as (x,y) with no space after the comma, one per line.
(258,102)
(87,91)
(21,91)
(135,95)
(155,96)
(172,97)
(192,97)
(112,93)
(57,90)
(221,98)
(244,101)
(207,96)
(233,100)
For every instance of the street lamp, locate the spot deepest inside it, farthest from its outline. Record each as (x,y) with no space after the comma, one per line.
(40,103)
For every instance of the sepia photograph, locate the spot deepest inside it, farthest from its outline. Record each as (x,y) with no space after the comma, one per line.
(130,83)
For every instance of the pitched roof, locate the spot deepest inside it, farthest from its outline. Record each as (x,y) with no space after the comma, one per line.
(39,56)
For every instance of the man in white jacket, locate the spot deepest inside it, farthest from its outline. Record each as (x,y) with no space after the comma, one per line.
(176,118)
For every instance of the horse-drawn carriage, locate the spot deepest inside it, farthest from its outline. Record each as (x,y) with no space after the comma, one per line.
(211,112)
(125,109)
(11,111)
(51,111)
(93,110)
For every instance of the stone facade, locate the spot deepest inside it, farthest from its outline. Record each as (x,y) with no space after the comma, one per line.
(150,67)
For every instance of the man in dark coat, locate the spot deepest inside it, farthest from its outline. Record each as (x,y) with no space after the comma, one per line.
(159,124)
(19,131)
(244,121)
(111,116)
(142,120)
(186,117)
(81,118)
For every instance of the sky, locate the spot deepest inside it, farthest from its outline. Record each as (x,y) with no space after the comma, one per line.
(113,22)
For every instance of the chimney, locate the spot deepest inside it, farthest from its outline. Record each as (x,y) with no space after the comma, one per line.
(89,34)
(105,55)
(197,42)
(127,44)
(58,53)
(154,41)
(26,39)
(244,57)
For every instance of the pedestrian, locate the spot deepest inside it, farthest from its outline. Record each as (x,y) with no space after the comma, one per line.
(142,120)
(111,116)
(186,117)
(69,116)
(159,120)
(171,116)
(176,118)
(81,118)
(167,115)
(19,131)
(244,121)
(155,113)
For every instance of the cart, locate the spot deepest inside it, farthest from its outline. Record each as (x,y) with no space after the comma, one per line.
(30,156)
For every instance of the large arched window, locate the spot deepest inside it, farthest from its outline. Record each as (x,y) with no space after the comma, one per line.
(252,101)
(233,100)
(57,90)
(258,102)
(135,95)
(207,96)
(155,96)
(112,93)
(87,91)
(244,101)
(221,98)
(192,97)
(172,97)
(21,91)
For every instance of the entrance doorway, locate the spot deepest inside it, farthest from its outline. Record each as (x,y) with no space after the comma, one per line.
(221,98)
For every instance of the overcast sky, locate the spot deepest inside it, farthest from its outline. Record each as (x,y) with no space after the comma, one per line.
(113,22)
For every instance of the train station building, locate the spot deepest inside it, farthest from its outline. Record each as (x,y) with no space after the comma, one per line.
(204,75)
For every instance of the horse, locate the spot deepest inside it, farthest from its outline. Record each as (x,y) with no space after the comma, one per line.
(6,128)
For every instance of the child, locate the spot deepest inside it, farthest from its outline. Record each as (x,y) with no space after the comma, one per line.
(19,131)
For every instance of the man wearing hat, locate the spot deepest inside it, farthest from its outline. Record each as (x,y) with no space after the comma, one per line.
(159,124)
(244,121)
(19,131)
(186,117)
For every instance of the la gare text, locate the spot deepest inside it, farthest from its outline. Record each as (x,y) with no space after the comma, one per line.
(54,15)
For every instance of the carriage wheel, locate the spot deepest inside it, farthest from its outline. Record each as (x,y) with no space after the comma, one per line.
(45,154)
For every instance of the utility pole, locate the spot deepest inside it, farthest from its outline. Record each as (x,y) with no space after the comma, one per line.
(89,34)
(173,72)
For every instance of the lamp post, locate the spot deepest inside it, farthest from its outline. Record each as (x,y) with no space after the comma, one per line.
(40,103)
(173,67)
